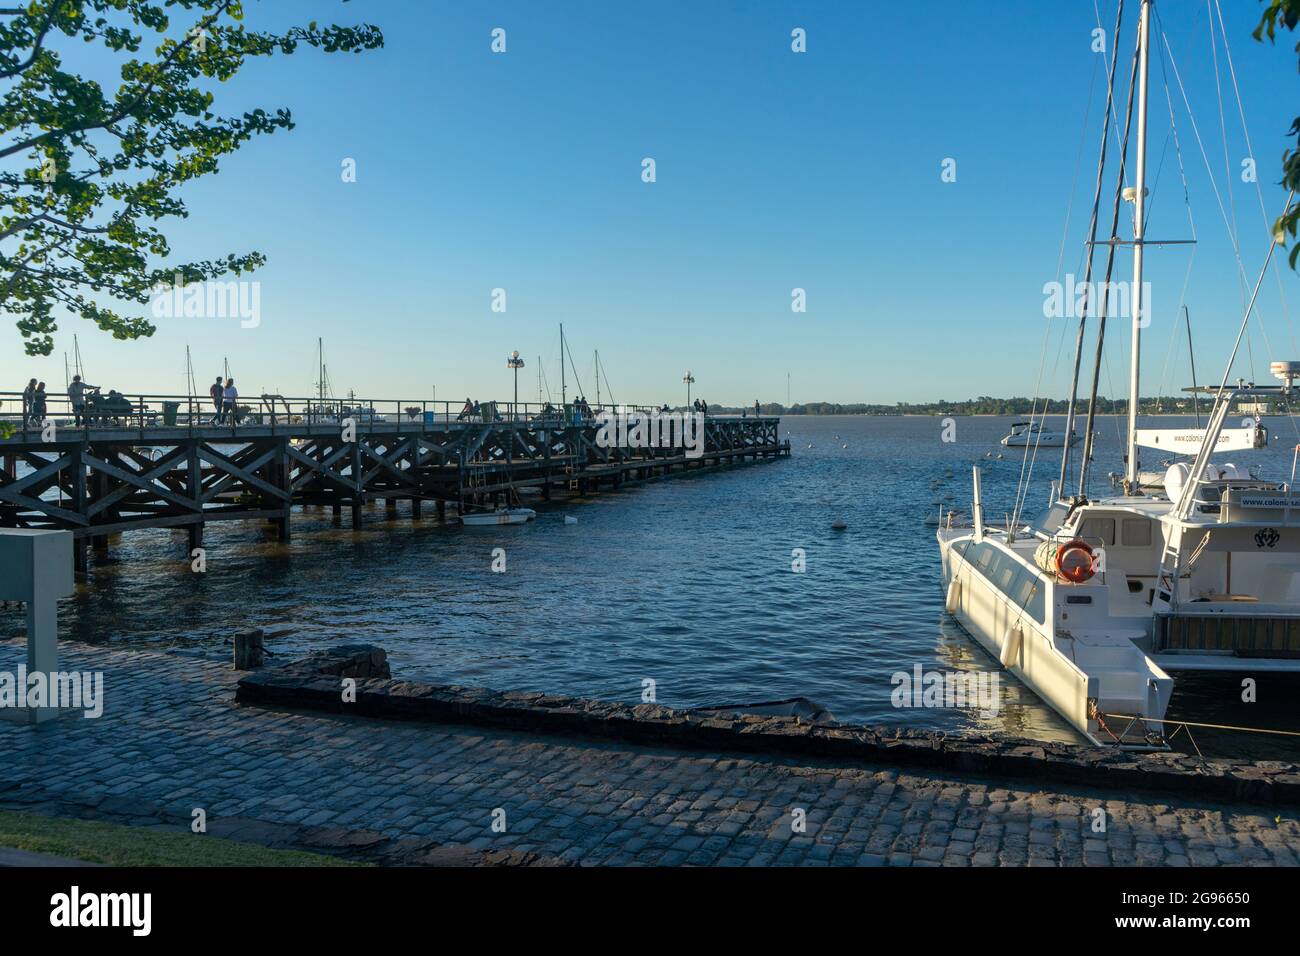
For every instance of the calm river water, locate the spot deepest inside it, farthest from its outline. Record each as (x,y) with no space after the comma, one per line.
(685,582)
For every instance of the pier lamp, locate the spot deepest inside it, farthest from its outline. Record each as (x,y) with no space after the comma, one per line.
(516,363)
(688,378)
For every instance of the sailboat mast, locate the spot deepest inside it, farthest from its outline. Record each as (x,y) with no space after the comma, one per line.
(1139,231)
(598,378)
(564,392)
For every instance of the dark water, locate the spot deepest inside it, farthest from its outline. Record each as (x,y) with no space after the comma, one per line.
(686,582)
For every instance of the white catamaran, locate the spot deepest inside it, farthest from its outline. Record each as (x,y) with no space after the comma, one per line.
(1095,604)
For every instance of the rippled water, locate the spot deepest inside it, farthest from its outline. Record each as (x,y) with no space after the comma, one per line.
(686,582)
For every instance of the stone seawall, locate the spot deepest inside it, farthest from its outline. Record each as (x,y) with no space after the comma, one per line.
(316,683)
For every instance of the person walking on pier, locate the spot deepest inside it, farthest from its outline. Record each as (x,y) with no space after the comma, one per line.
(77,396)
(756,410)
(28,393)
(467,411)
(230,402)
(217,392)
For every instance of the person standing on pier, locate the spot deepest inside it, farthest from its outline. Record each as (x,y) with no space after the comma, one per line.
(230,402)
(28,393)
(38,404)
(77,396)
(217,392)
(756,411)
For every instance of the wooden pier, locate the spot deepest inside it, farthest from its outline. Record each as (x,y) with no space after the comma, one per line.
(161,467)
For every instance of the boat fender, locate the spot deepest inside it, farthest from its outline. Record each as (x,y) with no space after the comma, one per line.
(953,601)
(1011,642)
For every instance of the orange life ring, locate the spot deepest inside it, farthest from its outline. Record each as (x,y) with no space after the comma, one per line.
(1074,561)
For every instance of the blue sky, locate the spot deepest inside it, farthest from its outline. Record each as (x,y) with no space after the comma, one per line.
(775,170)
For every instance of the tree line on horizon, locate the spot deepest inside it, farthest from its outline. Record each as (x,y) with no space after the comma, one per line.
(984,405)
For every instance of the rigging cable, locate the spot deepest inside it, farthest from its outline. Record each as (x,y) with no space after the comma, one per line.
(1250,151)
(1091,247)
(1110,266)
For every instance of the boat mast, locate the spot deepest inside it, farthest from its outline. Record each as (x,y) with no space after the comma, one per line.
(598,378)
(564,390)
(1139,231)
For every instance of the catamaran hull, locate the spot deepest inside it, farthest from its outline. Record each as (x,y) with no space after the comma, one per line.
(1025,647)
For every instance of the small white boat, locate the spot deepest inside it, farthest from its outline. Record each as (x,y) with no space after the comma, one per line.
(500,516)
(1033,434)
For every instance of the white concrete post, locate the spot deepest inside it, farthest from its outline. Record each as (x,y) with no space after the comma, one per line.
(36,568)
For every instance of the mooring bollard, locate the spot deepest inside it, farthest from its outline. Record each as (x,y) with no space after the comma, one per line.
(250,649)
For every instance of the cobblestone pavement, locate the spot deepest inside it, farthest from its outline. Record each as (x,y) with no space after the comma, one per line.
(171,738)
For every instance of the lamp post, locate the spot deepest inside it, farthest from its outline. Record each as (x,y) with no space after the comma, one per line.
(688,378)
(516,363)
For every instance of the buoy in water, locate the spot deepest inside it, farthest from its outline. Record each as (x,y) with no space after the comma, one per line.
(838,524)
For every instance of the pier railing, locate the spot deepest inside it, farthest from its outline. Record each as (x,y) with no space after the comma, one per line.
(142,412)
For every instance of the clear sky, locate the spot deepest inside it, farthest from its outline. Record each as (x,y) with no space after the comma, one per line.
(775,170)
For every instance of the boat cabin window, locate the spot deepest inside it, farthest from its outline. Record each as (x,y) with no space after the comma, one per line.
(1098,531)
(1051,519)
(1136,532)
(1019,584)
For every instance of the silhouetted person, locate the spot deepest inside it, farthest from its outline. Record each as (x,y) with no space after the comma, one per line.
(28,393)
(230,402)
(38,404)
(77,396)
(218,394)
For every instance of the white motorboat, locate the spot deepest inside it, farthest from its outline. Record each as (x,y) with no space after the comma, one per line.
(1096,603)
(1035,435)
(499,516)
